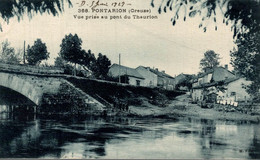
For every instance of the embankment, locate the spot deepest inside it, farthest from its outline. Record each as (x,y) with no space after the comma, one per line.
(110,92)
(154,102)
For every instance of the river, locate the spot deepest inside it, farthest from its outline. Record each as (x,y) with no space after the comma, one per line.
(31,136)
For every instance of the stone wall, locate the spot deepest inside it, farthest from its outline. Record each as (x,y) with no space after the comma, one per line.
(51,94)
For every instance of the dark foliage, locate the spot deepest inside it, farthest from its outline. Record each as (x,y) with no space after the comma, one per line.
(241,14)
(71,50)
(185,83)
(37,53)
(210,60)
(101,66)
(17,8)
(246,61)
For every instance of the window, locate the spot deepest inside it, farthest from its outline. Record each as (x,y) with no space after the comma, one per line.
(233,94)
(138,82)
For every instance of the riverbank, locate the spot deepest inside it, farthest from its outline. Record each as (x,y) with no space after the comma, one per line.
(181,106)
(154,102)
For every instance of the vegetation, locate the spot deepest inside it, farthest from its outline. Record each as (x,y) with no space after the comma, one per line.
(210,60)
(37,53)
(71,51)
(12,8)
(71,48)
(8,54)
(246,61)
(242,15)
(101,66)
(244,18)
(185,83)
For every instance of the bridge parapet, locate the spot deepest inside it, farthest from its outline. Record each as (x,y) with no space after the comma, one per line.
(30,69)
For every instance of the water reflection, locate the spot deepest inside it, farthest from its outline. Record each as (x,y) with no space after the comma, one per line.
(94,137)
(25,135)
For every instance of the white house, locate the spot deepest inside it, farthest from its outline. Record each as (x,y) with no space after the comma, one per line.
(134,77)
(219,85)
(155,78)
(234,91)
(151,79)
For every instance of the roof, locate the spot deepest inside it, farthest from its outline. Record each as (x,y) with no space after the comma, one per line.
(219,83)
(227,81)
(158,73)
(131,72)
(218,74)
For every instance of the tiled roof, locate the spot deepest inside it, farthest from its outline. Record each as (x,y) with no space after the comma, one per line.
(158,73)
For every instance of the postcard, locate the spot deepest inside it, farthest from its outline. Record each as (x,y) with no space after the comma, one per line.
(129,79)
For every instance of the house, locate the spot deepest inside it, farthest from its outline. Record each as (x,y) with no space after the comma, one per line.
(234,91)
(213,75)
(134,78)
(151,79)
(155,78)
(219,85)
(182,81)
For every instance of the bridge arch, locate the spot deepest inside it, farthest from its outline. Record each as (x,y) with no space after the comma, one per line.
(9,97)
(22,85)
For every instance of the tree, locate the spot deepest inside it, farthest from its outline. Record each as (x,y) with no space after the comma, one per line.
(60,62)
(244,17)
(88,60)
(101,66)
(71,49)
(209,61)
(17,8)
(8,55)
(246,61)
(37,53)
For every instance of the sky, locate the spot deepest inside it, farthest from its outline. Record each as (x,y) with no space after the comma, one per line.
(154,43)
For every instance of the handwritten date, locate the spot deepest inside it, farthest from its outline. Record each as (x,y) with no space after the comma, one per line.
(96,3)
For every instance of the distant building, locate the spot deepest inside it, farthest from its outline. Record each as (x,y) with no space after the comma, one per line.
(151,79)
(219,85)
(213,75)
(155,78)
(134,78)
(182,81)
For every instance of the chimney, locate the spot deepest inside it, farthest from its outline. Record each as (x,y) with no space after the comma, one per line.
(163,71)
(156,69)
(226,66)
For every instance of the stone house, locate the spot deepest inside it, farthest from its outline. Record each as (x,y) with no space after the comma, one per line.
(155,78)
(134,78)
(218,85)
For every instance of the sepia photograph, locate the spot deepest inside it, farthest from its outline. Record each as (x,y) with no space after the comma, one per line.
(130,79)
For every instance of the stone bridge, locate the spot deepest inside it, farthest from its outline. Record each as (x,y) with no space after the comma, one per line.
(47,88)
